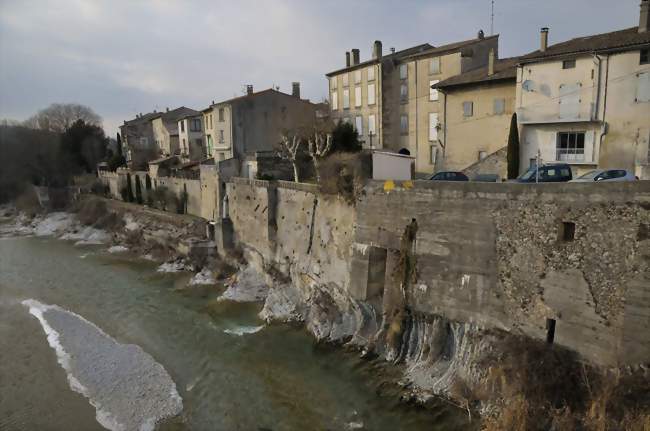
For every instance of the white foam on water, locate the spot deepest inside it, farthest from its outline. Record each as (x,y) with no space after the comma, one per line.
(36,309)
(103,416)
(243,330)
(117,249)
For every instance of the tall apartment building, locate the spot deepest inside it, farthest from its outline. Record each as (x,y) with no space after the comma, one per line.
(389,98)
(586,101)
(255,122)
(138,145)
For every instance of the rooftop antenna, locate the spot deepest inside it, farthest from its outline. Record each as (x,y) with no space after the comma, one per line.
(492,20)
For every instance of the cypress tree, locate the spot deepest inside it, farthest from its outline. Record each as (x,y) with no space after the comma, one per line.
(513,149)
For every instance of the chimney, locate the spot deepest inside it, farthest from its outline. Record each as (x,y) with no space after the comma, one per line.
(544,39)
(249,90)
(644,19)
(347,59)
(167,109)
(296,89)
(392,50)
(213,102)
(481,34)
(376,50)
(491,63)
(355,57)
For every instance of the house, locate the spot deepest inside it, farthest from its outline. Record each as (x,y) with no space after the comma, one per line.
(389,98)
(166,130)
(475,122)
(586,101)
(138,145)
(190,137)
(255,122)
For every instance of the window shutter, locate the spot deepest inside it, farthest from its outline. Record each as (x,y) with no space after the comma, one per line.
(371,94)
(358,123)
(643,87)
(372,130)
(433,126)
(371,73)
(433,93)
(357,96)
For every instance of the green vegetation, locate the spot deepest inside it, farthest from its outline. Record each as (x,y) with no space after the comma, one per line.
(513,149)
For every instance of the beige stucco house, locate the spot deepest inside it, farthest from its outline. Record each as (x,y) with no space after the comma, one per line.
(476,117)
(587,101)
(255,122)
(166,130)
(389,98)
(190,137)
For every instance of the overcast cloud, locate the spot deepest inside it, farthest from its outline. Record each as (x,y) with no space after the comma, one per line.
(121,57)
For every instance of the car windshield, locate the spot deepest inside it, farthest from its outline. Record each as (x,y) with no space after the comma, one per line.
(589,175)
(528,174)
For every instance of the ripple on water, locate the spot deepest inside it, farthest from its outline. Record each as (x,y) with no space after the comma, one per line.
(127,387)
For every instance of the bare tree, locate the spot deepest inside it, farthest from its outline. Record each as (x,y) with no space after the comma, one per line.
(289,150)
(320,145)
(59,117)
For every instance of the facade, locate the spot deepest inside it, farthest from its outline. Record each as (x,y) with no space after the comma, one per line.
(587,101)
(255,122)
(166,130)
(389,98)
(476,117)
(138,145)
(190,137)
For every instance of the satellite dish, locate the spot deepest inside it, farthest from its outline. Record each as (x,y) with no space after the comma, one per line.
(528,85)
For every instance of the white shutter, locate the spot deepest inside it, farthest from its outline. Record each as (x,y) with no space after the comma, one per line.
(433,93)
(371,73)
(643,87)
(433,126)
(371,94)
(335,101)
(346,98)
(358,124)
(357,96)
(371,125)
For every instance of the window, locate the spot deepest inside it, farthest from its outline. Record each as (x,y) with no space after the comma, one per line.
(404,124)
(357,76)
(567,231)
(499,106)
(182,125)
(434,66)
(209,144)
(568,64)
(335,101)
(433,126)
(433,93)
(570,146)
(404,93)
(644,56)
(372,130)
(433,154)
(221,115)
(358,124)
(643,88)
(371,73)
(195,125)
(198,142)
(482,155)
(371,94)
(221,138)
(403,71)
(183,147)
(333,82)
(357,96)
(346,81)
(570,100)
(144,142)
(346,98)
(468,109)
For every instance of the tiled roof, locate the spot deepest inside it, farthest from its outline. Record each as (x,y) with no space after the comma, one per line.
(176,114)
(621,40)
(445,49)
(505,69)
(258,93)
(396,55)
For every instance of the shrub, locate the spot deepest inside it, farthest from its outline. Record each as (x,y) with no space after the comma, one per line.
(345,138)
(345,174)
(28,202)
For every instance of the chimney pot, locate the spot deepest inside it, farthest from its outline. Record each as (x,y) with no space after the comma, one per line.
(249,90)
(544,39)
(644,18)
(347,59)
(392,50)
(491,60)
(167,109)
(212,102)
(481,34)
(296,89)
(376,50)
(355,57)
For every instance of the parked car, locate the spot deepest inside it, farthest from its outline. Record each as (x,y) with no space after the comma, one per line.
(609,175)
(449,176)
(547,173)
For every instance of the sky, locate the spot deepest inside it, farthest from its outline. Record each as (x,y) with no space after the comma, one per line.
(123,57)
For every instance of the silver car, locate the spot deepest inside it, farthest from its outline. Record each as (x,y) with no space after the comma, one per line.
(606,175)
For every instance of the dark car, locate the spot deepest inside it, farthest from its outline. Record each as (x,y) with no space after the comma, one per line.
(449,176)
(548,173)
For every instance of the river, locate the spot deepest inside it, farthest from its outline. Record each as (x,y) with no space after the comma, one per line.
(231,371)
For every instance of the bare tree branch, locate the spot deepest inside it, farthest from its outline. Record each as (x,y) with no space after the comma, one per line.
(319,147)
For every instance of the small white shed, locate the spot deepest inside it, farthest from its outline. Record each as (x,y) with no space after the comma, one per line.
(392,166)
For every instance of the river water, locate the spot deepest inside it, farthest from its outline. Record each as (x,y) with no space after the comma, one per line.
(230,373)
